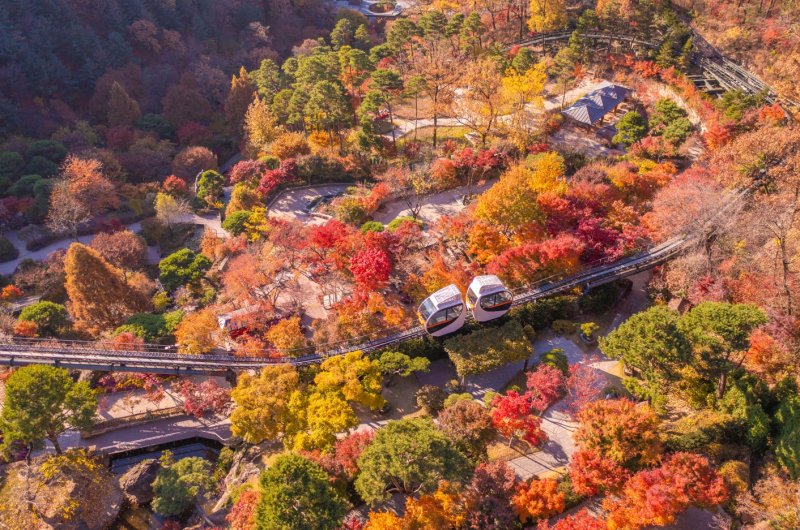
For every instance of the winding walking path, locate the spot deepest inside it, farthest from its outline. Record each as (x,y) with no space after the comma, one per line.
(212,221)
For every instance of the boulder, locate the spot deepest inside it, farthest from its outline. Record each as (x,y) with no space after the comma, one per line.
(75,492)
(137,482)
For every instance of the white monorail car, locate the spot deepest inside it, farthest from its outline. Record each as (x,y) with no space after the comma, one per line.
(488,298)
(443,312)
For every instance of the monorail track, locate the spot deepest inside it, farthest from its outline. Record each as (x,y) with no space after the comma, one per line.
(154,359)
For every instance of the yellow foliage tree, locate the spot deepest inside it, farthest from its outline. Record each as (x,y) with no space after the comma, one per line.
(547,15)
(260,127)
(262,404)
(547,173)
(383,521)
(290,145)
(443,510)
(357,377)
(510,203)
(198,333)
(520,91)
(539,500)
(317,418)
(486,243)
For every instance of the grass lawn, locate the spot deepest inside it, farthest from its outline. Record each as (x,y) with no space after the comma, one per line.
(500,451)
(444,133)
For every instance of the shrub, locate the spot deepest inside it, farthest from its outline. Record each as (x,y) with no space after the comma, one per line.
(564,327)
(209,186)
(161,301)
(151,327)
(270,161)
(39,165)
(787,442)
(351,210)
(541,313)
(236,222)
(431,399)
(557,359)
(48,149)
(487,348)
(24,186)
(488,397)
(11,164)
(588,329)
(694,433)
(630,129)
(372,226)
(397,222)
(452,399)
(50,318)
(736,475)
(316,168)
(7,250)
(181,268)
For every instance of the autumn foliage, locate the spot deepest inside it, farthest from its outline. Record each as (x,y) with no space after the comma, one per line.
(512,416)
(540,499)
(99,295)
(654,497)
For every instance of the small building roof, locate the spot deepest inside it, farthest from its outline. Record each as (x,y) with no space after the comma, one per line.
(486,284)
(597,103)
(446,296)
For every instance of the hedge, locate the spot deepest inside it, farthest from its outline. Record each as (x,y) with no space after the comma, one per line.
(488,348)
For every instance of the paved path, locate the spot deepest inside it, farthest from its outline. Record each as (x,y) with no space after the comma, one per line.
(448,202)
(10,266)
(290,204)
(209,220)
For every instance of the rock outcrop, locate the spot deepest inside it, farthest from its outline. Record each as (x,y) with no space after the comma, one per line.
(71,492)
(137,482)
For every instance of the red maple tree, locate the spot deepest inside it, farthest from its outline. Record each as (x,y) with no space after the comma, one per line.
(513,417)
(371,268)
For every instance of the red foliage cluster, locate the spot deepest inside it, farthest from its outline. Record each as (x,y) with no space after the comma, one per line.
(513,417)
(272,178)
(592,473)
(545,385)
(207,397)
(371,268)
(583,520)
(175,186)
(655,496)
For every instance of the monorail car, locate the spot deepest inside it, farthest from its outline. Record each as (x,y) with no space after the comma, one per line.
(443,312)
(488,298)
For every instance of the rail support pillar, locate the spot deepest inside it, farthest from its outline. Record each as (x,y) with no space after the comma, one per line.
(230,377)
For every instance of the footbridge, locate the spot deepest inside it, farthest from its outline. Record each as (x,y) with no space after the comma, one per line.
(85,355)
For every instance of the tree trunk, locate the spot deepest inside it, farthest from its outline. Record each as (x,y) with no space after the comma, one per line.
(416,116)
(391,124)
(54,440)
(435,125)
(721,384)
(787,293)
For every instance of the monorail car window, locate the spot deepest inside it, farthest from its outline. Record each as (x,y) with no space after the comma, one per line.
(496,300)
